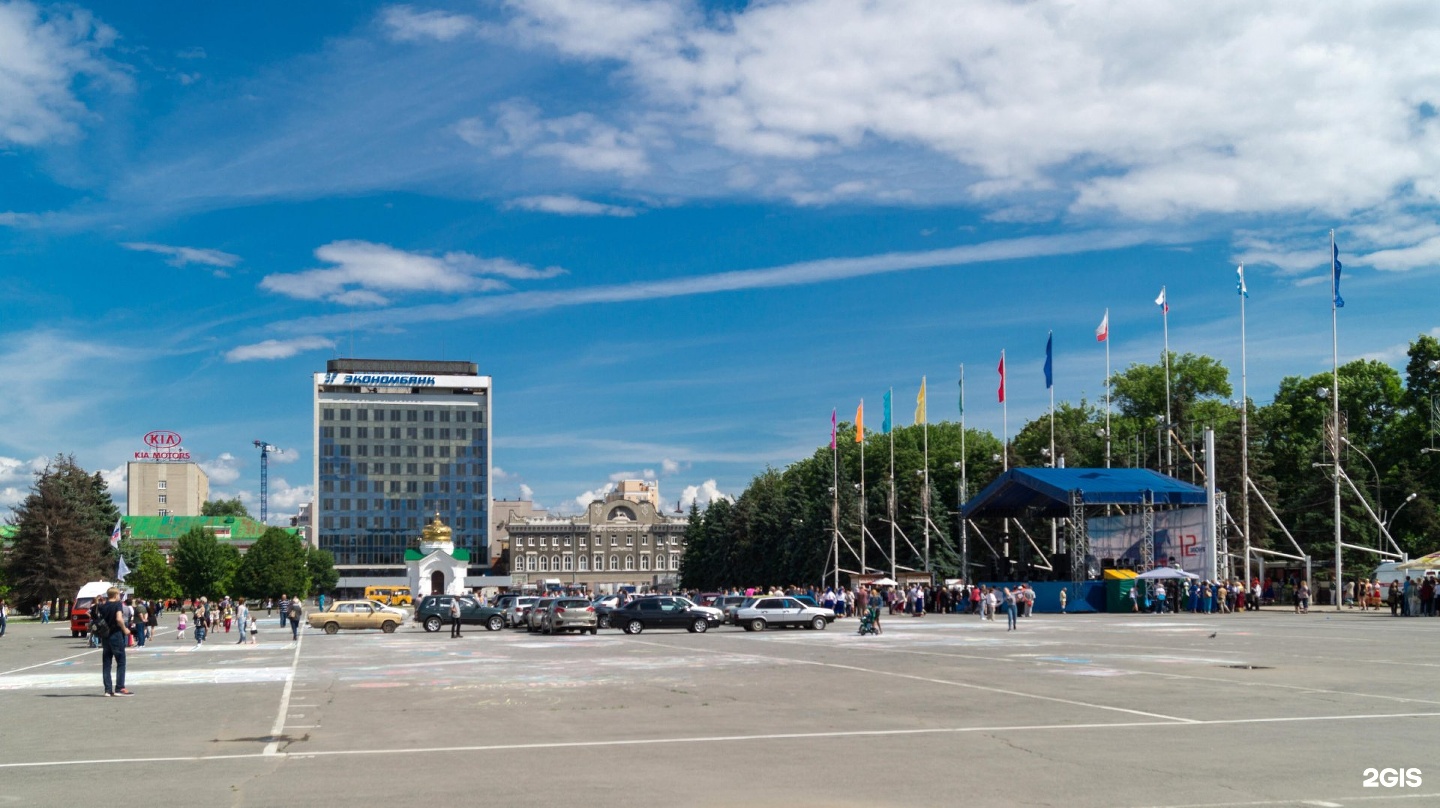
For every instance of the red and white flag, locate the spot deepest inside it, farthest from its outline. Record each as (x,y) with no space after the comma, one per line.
(115,533)
(1160,301)
(1002,377)
(1103,332)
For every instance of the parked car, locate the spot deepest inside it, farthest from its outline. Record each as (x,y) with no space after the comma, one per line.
(390,595)
(434,613)
(354,614)
(569,614)
(756,614)
(710,611)
(536,612)
(662,612)
(516,608)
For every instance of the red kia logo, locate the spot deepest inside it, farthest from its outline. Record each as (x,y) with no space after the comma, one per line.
(161,439)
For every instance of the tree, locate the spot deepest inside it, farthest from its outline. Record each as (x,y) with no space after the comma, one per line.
(204,566)
(274,565)
(61,534)
(224,507)
(320,565)
(152,578)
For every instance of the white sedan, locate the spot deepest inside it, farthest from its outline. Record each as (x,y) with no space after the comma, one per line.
(755,614)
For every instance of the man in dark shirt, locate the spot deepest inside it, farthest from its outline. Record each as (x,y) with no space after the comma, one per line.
(112,614)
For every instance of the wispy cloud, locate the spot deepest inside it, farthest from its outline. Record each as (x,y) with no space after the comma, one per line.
(277,349)
(184,256)
(583,140)
(565,205)
(797,274)
(364,273)
(404,24)
(45,52)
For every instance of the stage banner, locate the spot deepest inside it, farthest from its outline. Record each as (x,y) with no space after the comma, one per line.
(1179,537)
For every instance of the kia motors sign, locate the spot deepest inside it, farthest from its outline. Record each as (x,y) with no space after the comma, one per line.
(164,445)
(161,439)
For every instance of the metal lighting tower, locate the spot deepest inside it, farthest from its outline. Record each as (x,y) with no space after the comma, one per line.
(265,450)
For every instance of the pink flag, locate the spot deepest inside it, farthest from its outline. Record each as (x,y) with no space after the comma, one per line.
(832,428)
(1002,377)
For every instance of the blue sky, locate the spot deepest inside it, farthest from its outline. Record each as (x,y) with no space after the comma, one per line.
(677,234)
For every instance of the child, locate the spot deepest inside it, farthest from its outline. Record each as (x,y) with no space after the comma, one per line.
(180,627)
(252,628)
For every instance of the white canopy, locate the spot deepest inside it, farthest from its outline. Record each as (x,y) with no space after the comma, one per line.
(885,582)
(1165,572)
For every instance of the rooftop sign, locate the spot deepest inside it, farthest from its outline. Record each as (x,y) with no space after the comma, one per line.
(164,445)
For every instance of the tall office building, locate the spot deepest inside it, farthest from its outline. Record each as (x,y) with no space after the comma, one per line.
(397,442)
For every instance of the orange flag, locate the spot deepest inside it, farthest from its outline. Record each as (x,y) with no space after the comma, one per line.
(860,422)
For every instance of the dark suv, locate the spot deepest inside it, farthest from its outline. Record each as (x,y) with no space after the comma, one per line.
(434,613)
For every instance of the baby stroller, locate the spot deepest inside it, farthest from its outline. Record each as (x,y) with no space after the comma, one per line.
(868,622)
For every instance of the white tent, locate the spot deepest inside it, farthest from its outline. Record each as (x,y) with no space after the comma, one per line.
(1167,573)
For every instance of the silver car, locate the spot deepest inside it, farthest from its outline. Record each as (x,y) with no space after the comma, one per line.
(756,614)
(517,609)
(568,614)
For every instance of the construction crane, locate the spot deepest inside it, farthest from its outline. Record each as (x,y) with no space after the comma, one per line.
(265,450)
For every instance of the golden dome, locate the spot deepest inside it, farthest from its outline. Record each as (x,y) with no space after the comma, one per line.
(436,532)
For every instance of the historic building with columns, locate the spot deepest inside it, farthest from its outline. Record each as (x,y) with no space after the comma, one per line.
(624,539)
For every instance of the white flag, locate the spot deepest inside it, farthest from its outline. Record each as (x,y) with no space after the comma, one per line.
(121,570)
(1160,301)
(1103,332)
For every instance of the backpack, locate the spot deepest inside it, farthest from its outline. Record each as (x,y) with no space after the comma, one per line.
(294,610)
(100,626)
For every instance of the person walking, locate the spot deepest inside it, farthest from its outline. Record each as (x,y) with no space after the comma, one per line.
(294,614)
(284,609)
(138,624)
(115,636)
(1064,598)
(202,622)
(180,627)
(454,617)
(242,619)
(1010,610)
(4,615)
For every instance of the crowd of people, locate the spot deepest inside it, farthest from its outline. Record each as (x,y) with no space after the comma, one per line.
(1204,596)
(1414,597)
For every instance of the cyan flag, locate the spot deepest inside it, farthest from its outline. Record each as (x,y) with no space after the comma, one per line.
(1335,285)
(885,425)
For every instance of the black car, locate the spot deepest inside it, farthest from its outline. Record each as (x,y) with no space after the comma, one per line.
(434,613)
(661,612)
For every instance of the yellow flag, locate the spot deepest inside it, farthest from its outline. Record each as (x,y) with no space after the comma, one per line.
(920,403)
(860,422)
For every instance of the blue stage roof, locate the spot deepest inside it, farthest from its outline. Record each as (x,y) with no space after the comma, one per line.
(1046,491)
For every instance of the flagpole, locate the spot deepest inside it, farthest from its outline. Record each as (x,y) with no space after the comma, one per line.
(1005,450)
(1165,315)
(964,489)
(864,533)
(1107,388)
(1244,435)
(1335,411)
(1050,360)
(925,494)
(890,506)
(835,497)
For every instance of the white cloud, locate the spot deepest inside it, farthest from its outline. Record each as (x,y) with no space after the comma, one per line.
(646,474)
(223,470)
(364,273)
(116,481)
(668,466)
(570,206)
(705,493)
(1152,112)
(284,455)
(588,497)
(43,55)
(581,140)
(53,411)
(182,256)
(277,349)
(526,492)
(285,500)
(405,24)
(16,477)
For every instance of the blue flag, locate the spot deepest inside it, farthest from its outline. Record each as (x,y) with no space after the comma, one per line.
(1335,284)
(885,425)
(1049,377)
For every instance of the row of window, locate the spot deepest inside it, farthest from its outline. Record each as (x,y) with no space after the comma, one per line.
(429,506)
(427,450)
(411,433)
(399,414)
(429,469)
(557,563)
(378,486)
(558,541)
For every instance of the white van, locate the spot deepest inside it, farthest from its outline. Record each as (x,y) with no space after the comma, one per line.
(1389,571)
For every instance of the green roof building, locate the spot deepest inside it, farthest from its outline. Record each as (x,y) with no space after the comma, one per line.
(241,531)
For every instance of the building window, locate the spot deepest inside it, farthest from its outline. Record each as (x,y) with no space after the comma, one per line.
(445,415)
(629,562)
(584,563)
(160,498)
(160,485)
(530,563)
(544,563)
(644,539)
(344,415)
(614,562)
(645,562)
(555,563)
(362,415)
(629,539)
(327,414)
(410,415)
(429,415)
(164,512)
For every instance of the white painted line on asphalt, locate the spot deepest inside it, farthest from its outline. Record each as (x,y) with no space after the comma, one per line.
(1259,804)
(51,662)
(707,739)
(947,682)
(272,748)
